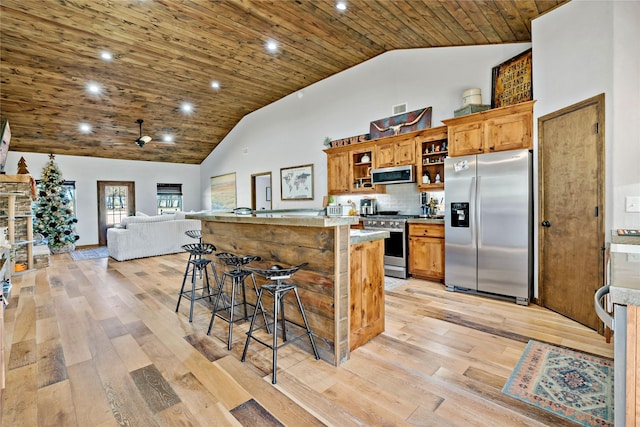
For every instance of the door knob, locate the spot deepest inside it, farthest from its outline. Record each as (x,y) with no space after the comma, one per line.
(546,223)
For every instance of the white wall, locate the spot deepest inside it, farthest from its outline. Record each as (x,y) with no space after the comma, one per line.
(87,171)
(583,49)
(291,131)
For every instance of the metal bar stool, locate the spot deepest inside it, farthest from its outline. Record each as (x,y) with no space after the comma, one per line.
(197,264)
(195,234)
(237,276)
(278,290)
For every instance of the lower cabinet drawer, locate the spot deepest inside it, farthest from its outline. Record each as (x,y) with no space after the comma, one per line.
(426,230)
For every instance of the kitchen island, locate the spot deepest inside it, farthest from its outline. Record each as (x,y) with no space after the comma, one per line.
(329,247)
(625,297)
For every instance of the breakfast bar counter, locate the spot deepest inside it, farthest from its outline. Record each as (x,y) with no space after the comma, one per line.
(334,284)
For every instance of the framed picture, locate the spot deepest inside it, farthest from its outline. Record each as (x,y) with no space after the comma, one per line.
(401,123)
(511,81)
(296,183)
(268,193)
(223,192)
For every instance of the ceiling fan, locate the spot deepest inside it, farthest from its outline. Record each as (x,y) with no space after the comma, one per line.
(142,140)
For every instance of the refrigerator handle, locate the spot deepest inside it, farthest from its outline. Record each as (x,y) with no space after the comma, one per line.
(478,212)
(473,211)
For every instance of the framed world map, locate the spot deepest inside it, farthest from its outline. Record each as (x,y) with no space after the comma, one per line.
(296,183)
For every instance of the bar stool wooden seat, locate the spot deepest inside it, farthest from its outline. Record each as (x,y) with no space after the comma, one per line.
(237,276)
(197,264)
(278,290)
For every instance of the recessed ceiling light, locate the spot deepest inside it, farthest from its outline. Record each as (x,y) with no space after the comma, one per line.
(186,107)
(106,55)
(167,138)
(94,88)
(271,45)
(342,6)
(215,84)
(84,127)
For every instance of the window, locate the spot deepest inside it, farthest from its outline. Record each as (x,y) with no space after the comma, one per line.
(117,203)
(169,198)
(69,187)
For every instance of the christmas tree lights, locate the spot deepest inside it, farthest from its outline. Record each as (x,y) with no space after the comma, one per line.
(52,216)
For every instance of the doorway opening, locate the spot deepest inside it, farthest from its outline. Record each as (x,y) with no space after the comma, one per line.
(261,191)
(116,200)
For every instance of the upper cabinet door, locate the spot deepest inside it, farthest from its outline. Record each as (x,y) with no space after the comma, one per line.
(466,139)
(384,155)
(513,132)
(405,152)
(338,173)
(499,129)
(397,152)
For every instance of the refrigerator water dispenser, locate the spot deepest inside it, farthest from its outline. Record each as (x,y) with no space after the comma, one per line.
(459,214)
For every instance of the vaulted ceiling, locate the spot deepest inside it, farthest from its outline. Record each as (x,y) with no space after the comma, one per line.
(168,52)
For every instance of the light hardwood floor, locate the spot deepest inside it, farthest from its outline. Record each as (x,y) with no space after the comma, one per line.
(97,343)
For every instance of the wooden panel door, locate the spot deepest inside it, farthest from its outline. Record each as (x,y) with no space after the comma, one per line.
(338,173)
(366,292)
(116,200)
(405,152)
(512,132)
(426,257)
(384,155)
(396,153)
(466,139)
(571,173)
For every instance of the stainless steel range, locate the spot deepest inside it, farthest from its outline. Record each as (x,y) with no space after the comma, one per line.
(396,247)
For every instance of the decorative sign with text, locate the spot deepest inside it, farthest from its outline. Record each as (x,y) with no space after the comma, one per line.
(350,140)
(512,83)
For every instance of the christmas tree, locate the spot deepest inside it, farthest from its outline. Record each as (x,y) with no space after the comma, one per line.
(52,216)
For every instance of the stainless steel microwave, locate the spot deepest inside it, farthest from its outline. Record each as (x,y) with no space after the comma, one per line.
(394,175)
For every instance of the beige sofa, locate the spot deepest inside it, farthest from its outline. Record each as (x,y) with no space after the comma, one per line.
(143,236)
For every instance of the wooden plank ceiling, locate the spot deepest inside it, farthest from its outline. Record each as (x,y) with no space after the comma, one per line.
(166,52)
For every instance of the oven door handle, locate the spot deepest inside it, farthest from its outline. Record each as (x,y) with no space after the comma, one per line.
(390,230)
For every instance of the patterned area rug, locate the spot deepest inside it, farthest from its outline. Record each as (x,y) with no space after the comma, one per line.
(573,385)
(93,253)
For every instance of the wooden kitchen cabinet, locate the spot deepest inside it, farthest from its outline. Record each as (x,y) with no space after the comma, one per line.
(632,397)
(426,251)
(431,150)
(349,170)
(366,292)
(338,176)
(395,151)
(499,129)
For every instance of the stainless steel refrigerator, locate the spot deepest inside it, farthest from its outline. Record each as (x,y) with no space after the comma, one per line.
(488,224)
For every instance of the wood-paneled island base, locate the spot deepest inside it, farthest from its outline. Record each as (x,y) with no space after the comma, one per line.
(324,284)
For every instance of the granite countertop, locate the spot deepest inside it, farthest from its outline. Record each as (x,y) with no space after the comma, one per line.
(625,270)
(361,236)
(287,217)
